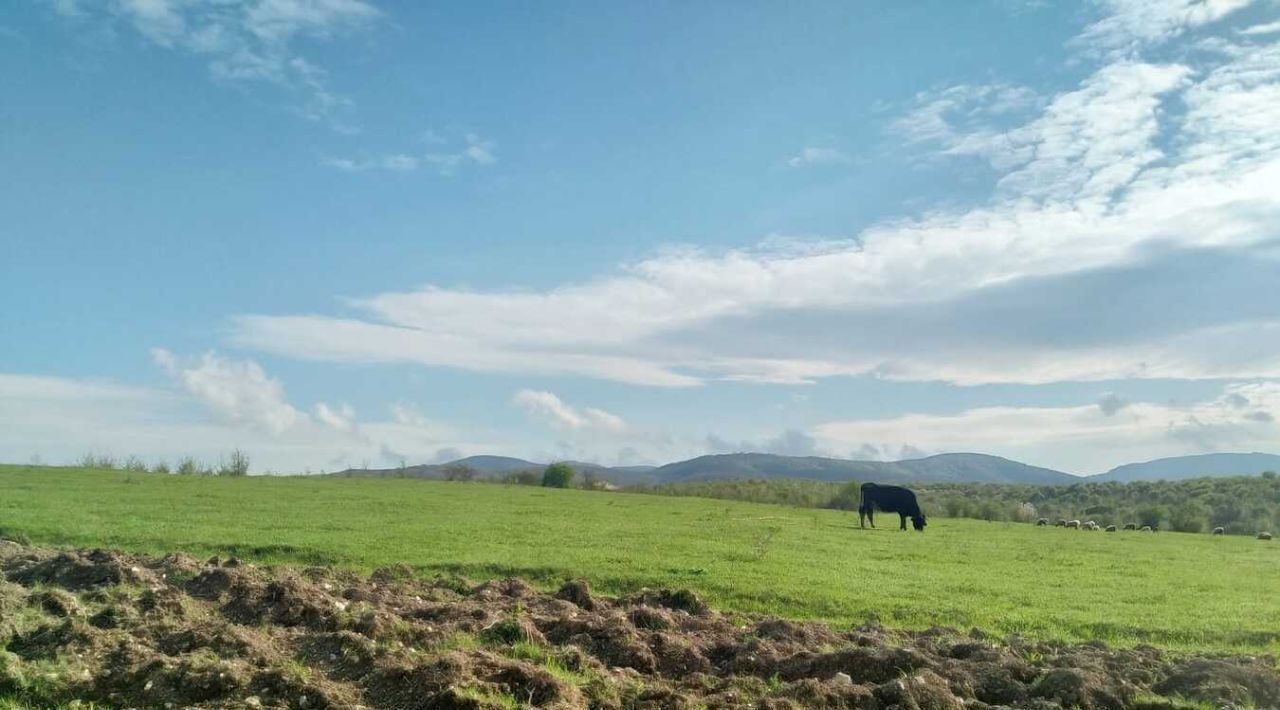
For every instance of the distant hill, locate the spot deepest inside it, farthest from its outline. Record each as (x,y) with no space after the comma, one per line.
(496,467)
(1203,465)
(970,468)
(943,468)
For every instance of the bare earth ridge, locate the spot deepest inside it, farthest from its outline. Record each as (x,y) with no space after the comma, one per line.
(124,630)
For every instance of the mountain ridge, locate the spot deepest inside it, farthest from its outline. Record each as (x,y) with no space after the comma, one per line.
(961,467)
(1173,468)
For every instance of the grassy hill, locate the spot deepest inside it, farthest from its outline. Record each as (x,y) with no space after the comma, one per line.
(1007,578)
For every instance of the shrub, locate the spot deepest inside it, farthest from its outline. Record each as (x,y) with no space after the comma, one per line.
(1024,513)
(848,497)
(160,467)
(1151,515)
(236,465)
(459,472)
(988,510)
(558,475)
(187,466)
(523,478)
(91,460)
(135,464)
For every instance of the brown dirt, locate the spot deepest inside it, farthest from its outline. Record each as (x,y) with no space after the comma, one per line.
(122,630)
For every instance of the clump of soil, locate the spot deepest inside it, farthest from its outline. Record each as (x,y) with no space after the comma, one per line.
(122,630)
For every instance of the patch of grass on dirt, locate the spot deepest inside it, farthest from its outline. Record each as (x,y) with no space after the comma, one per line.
(15,703)
(1147,701)
(459,641)
(1175,591)
(487,699)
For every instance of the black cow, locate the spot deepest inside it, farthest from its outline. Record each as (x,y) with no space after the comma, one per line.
(889,499)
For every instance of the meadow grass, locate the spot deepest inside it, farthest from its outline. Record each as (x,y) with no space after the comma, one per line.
(1179,591)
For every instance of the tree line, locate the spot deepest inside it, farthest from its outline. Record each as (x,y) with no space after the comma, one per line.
(1241,505)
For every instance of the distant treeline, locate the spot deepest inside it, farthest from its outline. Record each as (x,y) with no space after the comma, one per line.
(1241,505)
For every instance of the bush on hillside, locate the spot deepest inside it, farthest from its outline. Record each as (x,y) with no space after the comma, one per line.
(459,472)
(91,460)
(523,478)
(848,497)
(558,475)
(236,465)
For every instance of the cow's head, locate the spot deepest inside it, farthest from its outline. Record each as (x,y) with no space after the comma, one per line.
(918,522)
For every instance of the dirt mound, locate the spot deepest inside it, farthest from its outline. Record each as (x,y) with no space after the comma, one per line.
(121,630)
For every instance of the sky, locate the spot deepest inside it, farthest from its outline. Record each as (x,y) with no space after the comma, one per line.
(346,233)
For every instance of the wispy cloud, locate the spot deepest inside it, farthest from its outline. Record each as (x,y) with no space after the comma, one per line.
(1129,26)
(1266,28)
(814,155)
(472,151)
(392,163)
(242,40)
(550,409)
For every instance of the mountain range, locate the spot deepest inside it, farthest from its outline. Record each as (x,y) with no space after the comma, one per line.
(948,468)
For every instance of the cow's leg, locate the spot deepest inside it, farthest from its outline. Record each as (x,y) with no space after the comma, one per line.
(871,516)
(902,521)
(862,517)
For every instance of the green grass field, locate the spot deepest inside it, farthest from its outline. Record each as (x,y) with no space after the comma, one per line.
(1171,590)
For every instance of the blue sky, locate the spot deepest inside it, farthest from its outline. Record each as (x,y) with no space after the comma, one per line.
(338,232)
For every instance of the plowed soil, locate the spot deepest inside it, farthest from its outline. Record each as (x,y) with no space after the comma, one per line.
(127,631)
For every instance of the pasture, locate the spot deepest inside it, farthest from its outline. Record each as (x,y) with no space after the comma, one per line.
(1177,591)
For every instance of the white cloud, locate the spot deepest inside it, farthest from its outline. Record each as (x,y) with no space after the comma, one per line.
(1262,29)
(342,418)
(1084,438)
(548,408)
(222,405)
(940,116)
(1129,26)
(392,163)
(813,155)
(1086,144)
(1131,174)
(474,151)
(239,391)
(242,40)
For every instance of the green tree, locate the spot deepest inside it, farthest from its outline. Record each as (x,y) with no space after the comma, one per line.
(558,475)
(1188,518)
(1151,515)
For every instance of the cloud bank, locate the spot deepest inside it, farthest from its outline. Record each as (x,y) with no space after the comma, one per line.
(1135,173)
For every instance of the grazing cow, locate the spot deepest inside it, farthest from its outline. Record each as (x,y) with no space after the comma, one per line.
(1219,531)
(1130,526)
(889,499)
(1146,528)
(1111,528)
(1264,536)
(1090,524)
(1073,524)
(1042,522)
(1060,524)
